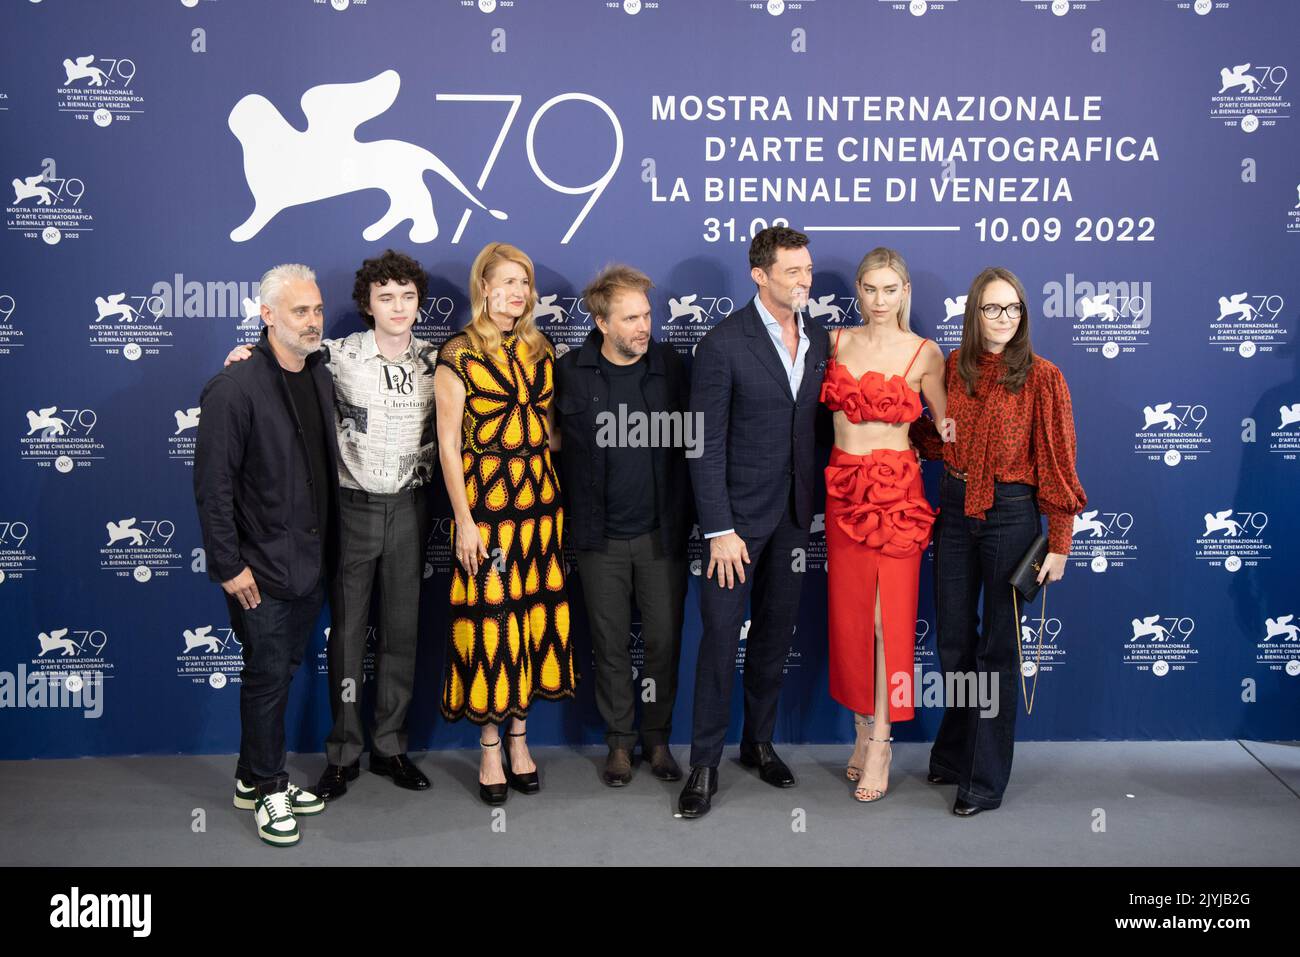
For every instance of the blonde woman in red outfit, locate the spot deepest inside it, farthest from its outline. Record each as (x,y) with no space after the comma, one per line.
(878,521)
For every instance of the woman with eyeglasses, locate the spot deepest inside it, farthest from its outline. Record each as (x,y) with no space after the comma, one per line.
(1010,459)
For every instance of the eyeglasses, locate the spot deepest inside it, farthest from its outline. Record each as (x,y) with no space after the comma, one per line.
(991,310)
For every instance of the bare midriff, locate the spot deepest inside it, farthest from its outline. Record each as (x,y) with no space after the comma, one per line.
(859,438)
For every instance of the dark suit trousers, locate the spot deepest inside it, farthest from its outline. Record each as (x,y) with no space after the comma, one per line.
(382,539)
(775,587)
(627,569)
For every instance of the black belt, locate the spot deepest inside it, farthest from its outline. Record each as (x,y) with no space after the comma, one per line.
(361,495)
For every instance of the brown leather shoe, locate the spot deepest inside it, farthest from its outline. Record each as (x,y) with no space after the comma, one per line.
(618,768)
(662,764)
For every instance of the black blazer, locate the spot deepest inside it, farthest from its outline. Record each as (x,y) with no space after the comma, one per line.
(252,480)
(759,442)
(582,392)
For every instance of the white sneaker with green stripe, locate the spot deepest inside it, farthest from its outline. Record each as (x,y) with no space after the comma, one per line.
(303,802)
(275,821)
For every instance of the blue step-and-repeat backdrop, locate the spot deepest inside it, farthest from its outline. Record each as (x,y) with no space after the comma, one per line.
(1136,162)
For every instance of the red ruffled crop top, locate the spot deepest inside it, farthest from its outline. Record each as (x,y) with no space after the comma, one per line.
(872,397)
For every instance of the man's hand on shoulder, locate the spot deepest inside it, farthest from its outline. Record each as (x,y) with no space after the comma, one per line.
(238,354)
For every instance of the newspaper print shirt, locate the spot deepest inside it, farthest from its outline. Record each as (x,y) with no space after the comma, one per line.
(386,422)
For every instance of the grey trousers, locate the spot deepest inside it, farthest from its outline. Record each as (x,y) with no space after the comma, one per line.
(382,539)
(627,569)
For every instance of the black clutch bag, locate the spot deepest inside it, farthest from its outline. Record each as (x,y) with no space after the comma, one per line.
(1024,583)
(1025,577)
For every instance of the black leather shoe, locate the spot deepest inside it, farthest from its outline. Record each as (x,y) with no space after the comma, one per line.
(528,783)
(493,794)
(939,779)
(333,782)
(700,787)
(401,770)
(662,764)
(770,768)
(965,809)
(618,768)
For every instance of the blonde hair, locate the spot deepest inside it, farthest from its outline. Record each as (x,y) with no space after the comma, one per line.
(482,331)
(883,257)
(600,292)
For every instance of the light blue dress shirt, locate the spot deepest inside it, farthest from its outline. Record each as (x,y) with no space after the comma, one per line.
(793,367)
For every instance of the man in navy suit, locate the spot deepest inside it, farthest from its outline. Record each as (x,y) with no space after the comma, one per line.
(755,383)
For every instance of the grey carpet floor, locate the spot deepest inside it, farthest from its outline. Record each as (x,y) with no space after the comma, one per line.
(1208,803)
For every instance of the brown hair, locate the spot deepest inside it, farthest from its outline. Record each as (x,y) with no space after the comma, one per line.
(1017,355)
(482,331)
(600,292)
(762,249)
(880,258)
(392,266)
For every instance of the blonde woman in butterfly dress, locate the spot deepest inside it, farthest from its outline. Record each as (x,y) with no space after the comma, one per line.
(508,638)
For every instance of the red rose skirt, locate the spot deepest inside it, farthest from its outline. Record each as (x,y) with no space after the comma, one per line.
(878,524)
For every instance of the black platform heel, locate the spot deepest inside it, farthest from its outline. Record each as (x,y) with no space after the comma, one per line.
(523,783)
(494,794)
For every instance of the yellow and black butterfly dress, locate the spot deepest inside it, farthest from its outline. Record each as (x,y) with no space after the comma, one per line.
(509,631)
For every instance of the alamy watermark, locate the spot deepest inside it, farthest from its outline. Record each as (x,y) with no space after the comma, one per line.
(950,689)
(624,429)
(76,909)
(42,689)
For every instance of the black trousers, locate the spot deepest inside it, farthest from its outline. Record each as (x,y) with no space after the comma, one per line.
(628,569)
(974,556)
(381,539)
(775,587)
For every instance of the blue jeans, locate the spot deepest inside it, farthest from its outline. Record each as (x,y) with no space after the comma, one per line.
(274,636)
(973,556)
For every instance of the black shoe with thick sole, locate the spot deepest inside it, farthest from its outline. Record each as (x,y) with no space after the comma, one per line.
(695,800)
(333,783)
(401,770)
(527,783)
(966,809)
(493,794)
(770,768)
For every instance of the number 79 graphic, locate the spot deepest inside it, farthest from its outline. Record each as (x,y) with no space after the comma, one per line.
(594,188)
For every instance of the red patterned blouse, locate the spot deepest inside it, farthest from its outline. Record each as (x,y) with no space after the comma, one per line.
(1026,437)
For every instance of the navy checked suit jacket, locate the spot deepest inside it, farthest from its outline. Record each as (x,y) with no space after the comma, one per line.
(759,441)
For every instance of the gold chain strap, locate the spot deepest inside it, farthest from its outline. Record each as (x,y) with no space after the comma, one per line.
(1028,694)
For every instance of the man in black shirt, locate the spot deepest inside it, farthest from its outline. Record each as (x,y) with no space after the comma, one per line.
(265,477)
(311,417)
(622,402)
